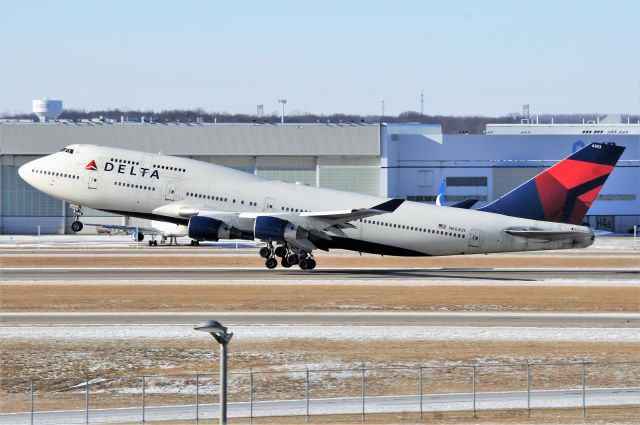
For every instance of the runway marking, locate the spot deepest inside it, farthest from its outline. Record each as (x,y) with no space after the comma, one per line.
(320,270)
(341,282)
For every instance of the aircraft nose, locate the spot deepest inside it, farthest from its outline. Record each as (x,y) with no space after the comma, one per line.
(24,171)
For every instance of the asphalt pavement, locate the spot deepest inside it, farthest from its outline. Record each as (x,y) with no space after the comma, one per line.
(346,405)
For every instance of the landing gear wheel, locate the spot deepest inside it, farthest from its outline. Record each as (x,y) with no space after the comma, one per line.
(155,243)
(311,264)
(281,252)
(292,259)
(265,252)
(285,263)
(150,243)
(271,263)
(304,264)
(76,226)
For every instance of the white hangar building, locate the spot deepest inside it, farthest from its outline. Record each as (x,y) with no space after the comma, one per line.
(392,160)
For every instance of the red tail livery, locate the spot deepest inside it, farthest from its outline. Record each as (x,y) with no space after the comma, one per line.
(564,192)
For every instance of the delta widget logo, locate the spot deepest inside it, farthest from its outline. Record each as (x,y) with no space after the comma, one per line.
(91,166)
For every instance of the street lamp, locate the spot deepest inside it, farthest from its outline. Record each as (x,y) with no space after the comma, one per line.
(283,101)
(219,332)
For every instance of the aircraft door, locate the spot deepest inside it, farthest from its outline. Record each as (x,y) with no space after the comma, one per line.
(474,238)
(146,162)
(268,204)
(93,179)
(170,192)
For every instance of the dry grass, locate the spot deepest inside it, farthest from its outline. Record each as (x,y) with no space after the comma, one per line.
(134,358)
(316,297)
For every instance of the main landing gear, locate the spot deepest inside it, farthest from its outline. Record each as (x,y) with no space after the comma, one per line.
(76,224)
(288,258)
(153,241)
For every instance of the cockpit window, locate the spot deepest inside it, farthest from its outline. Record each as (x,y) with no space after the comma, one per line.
(67,150)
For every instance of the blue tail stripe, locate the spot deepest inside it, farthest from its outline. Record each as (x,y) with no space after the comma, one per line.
(523,202)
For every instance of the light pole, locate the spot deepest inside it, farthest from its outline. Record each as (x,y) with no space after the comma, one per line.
(283,101)
(219,332)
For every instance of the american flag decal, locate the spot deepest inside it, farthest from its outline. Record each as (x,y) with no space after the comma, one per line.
(442,226)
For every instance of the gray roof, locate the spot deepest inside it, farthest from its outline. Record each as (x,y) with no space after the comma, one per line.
(196,139)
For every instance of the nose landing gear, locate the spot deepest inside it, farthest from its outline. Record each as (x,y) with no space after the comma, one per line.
(76,224)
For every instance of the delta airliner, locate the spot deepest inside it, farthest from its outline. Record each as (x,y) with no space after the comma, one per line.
(210,202)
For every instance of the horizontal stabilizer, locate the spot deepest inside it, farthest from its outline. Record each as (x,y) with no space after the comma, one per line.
(466,204)
(546,235)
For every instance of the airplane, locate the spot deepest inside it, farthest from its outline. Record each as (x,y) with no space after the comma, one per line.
(293,220)
(166,231)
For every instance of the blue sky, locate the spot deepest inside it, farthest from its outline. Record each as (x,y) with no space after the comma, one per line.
(470,57)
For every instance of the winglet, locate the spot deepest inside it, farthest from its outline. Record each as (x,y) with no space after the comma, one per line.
(390,206)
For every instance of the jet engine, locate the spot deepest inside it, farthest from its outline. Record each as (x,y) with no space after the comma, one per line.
(275,229)
(210,229)
(137,236)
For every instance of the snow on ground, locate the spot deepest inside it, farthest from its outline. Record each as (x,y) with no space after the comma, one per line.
(338,333)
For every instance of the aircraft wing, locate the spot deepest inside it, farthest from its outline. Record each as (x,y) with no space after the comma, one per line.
(466,204)
(325,220)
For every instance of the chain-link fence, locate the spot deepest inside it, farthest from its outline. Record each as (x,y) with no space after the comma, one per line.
(421,392)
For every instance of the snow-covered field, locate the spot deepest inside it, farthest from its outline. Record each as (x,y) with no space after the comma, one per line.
(334,333)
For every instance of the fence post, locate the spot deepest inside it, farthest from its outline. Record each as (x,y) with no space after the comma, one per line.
(86,401)
(306,418)
(421,390)
(250,396)
(528,389)
(363,391)
(197,398)
(31,402)
(584,391)
(143,401)
(474,390)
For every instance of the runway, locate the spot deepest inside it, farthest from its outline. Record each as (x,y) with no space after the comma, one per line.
(335,319)
(345,405)
(292,275)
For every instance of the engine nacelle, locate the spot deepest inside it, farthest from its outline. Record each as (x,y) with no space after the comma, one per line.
(275,229)
(137,236)
(210,229)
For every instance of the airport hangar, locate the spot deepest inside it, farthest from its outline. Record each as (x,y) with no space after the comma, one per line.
(391,160)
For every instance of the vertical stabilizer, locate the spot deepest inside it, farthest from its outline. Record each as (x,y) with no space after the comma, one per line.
(564,192)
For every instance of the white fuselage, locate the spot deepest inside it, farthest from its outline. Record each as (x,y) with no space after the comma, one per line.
(162,187)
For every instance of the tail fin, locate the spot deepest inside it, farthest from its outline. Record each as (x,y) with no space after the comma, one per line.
(564,192)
